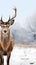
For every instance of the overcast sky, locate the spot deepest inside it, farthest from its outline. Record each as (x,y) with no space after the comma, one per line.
(25,8)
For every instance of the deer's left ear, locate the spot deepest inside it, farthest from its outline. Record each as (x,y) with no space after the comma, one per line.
(12,22)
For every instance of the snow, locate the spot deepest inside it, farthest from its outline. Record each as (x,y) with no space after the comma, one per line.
(23,56)
(5,59)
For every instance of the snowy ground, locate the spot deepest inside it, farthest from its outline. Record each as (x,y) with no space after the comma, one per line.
(23,56)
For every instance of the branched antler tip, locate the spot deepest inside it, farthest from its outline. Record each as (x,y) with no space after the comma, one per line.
(15,8)
(1,18)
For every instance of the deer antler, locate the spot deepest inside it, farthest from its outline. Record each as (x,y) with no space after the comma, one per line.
(12,19)
(1,21)
(15,13)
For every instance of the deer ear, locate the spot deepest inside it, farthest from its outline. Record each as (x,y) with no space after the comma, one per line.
(11,22)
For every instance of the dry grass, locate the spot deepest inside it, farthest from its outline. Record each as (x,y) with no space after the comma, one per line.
(25,46)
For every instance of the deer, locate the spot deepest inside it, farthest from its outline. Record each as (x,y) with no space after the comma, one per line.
(6,41)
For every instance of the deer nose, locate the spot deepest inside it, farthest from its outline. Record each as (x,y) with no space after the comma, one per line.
(5,31)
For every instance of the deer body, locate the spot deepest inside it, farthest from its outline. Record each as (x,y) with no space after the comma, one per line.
(5,38)
(6,41)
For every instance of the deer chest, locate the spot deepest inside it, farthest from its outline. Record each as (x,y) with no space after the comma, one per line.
(6,48)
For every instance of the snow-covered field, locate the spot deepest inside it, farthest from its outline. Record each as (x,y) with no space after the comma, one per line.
(23,56)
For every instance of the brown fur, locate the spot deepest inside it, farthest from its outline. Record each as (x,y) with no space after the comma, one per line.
(5,49)
(8,48)
(6,41)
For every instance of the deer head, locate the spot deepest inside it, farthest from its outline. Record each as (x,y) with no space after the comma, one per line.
(5,32)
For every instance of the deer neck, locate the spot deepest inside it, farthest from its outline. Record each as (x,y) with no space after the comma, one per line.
(5,37)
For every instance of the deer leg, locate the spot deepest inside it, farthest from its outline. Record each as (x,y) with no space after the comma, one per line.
(8,58)
(1,60)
